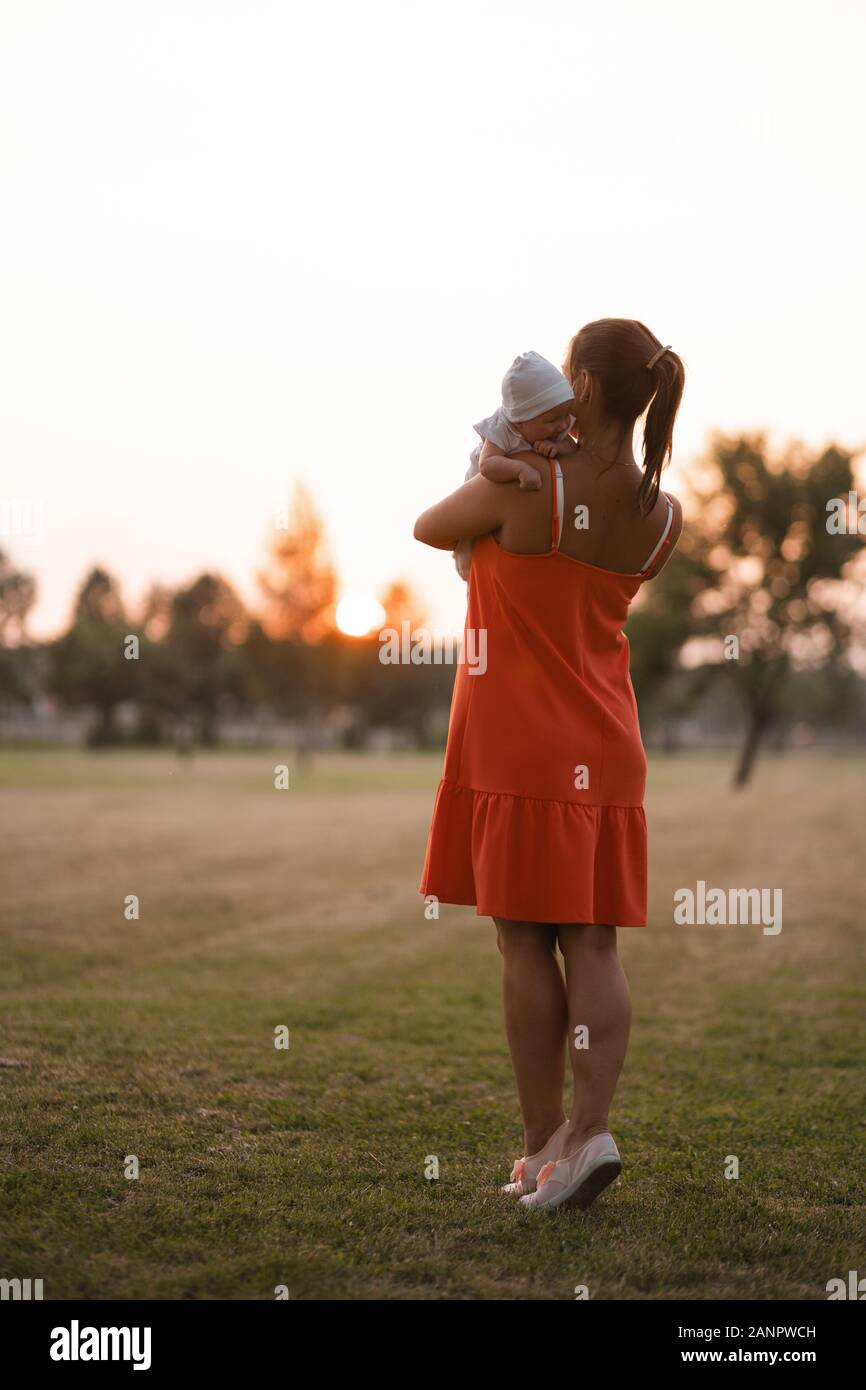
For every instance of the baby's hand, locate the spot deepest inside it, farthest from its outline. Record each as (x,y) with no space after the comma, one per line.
(528,477)
(548,447)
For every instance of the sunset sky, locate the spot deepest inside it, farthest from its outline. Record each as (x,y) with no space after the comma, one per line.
(244,243)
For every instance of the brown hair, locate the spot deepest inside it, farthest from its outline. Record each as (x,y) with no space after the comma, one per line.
(615,352)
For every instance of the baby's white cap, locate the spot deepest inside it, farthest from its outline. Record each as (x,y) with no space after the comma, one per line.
(531,386)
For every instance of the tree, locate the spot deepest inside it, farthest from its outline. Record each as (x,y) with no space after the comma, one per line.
(778,592)
(661,624)
(87,665)
(198,662)
(401,604)
(299,582)
(17,595)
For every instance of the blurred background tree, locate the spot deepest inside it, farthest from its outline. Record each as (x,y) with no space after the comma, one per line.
(17,663)
(661,623)
(299,582)
(760,593)
(200,661)
(87,665)
(778,573)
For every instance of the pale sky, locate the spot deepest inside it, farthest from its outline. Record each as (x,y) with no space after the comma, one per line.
(247,242)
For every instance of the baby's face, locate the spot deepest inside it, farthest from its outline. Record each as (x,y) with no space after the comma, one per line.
(548,425)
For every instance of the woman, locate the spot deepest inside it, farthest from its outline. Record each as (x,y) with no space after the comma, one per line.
(539,818)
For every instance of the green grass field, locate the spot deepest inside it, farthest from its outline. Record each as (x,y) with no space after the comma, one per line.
(305,1167)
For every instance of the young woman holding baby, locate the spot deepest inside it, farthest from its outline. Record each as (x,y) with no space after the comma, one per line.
(539,820)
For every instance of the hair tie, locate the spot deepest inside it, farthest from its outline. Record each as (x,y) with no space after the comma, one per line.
(656,355)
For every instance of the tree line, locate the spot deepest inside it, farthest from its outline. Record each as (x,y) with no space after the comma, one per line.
(759,610)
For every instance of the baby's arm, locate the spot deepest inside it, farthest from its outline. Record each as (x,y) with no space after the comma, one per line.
(499,468)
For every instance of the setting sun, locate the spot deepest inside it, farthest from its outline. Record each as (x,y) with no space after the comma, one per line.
(358,614)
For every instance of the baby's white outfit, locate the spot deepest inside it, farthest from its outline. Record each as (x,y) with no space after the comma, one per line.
(530,387)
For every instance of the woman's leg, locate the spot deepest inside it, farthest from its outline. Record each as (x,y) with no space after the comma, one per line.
(536,1019)
(598,997)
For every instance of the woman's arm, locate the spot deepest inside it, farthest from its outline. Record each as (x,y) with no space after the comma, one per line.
(476,508)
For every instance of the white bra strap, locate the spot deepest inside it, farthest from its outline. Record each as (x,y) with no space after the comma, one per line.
(662,538)
(560,502)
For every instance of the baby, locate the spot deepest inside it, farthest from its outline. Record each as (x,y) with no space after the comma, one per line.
(534,415)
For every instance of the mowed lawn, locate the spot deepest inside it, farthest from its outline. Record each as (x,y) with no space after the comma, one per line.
(262,1167)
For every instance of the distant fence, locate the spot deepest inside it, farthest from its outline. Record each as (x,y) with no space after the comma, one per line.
(71,729)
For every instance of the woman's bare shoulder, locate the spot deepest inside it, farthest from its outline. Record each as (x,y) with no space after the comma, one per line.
(527,511)
(518,496)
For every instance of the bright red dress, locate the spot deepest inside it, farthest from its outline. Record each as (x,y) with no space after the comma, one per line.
(539,814)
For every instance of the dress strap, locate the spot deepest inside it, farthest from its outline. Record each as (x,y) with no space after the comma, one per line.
(558,491)
(663,540)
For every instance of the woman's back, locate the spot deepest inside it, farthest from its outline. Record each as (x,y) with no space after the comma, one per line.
(602,523)
(558,660)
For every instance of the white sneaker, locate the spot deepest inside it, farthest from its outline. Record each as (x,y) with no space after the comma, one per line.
(578,1179)
(525,1171)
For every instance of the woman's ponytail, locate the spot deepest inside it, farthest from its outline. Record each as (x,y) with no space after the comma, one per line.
(634,371)
(668,375)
